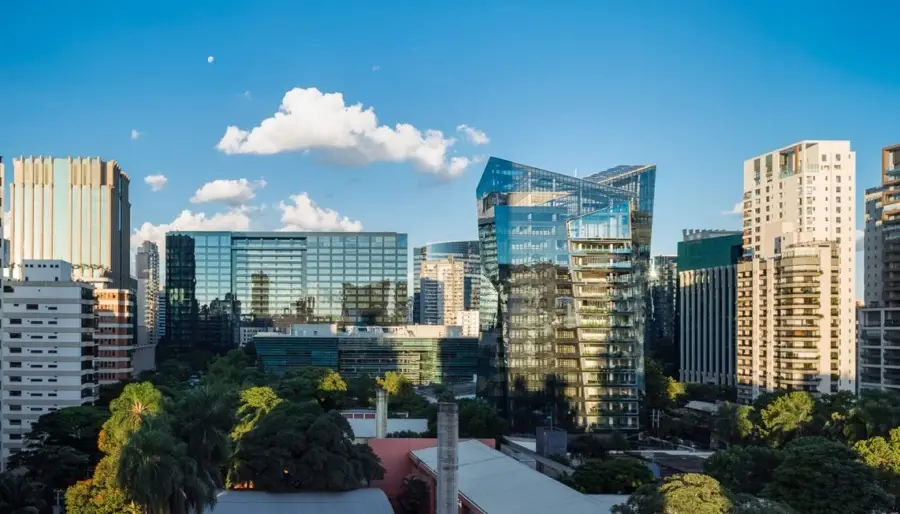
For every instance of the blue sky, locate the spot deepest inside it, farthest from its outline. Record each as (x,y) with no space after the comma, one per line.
(694,87)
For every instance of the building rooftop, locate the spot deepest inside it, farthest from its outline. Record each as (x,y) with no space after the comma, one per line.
(361,501)
(498,484)
(616,172)
(366,428)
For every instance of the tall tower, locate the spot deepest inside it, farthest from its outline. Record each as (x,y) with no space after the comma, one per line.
(147,271)
(73,209)
(441,291)
(796,287)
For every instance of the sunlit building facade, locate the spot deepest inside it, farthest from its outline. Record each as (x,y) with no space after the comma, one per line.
(72,209)
(218,281)
(568,260)
(466,252)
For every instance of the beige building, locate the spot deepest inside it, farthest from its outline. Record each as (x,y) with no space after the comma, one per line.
(73,209)
(796,292)
(115,311)
(442,291)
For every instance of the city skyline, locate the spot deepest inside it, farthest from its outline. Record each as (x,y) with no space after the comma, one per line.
(132,113)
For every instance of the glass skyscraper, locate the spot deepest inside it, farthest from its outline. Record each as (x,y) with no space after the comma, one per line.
(466,252)
(567,259)
(217,282)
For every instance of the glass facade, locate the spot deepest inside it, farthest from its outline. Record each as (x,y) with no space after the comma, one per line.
(218,281)
(567,259)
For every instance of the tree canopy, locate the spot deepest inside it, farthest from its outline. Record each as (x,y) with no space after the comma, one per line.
(621,475)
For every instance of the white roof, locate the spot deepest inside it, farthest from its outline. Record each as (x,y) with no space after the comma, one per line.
(365,428)
(702,406)
(360,501)
(498,484)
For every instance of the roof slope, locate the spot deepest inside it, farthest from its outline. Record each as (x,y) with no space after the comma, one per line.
(498,484)
(361,501)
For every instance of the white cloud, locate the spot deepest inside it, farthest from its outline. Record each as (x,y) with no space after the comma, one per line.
(738,209)
(860,240)
(156,182)
(247,95)
(135,134)
(475,136)
(210,59)
(349,135)
(376,67)
(305,215)
(231,192)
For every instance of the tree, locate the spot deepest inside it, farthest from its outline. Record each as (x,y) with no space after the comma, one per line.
(479,420)
(679,494)
(744,469)
(656,386)
(20,495)
(74,427)
(822,476)
(883,455)
(733,423)
(323,385)
(234,369)
(587,446)
(255,403)
(202,419)
(786,417)
(361,391)
(622,475)
(404,434)
(395,384)
(415,496)
(291,449)
(127,412)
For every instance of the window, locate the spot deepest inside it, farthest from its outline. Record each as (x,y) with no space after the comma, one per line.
(15,364)
(837,157)
(15,393)
(15,437)
(31,306)
(15,321)
(15,408)
(15,350)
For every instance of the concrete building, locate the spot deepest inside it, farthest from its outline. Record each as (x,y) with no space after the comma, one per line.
(441,291)
(73,209)
(147,271)
(161,316)
(469,321)
(879,321)
(707,296)
(466,252)
(663,311)
(48,349)
(800,250)
(424,354)
(116,324)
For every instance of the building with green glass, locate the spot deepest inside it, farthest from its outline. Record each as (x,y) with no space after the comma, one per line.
(707,302)
(424,354)
(217,282)
(568,259)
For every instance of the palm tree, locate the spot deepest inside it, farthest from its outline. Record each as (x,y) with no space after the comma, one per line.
(203,421)
(19,495)
(128,411)
(156,472)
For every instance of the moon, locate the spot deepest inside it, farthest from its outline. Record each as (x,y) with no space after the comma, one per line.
(210,59)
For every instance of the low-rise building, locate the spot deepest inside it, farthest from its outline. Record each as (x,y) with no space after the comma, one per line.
(424,354)
(48,348)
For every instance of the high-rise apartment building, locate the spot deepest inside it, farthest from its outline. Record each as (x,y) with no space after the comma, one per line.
(707,299)
(217,281)
(116,324)
(48,348)
(441,291)
(879,330)
(161,315)
(466,252)
(147,268)
(660,340)
(567,259)
(796,289)
(72,209)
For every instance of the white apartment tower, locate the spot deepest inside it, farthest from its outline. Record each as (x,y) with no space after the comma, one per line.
(147,267)
(47,348)
(442,291)
(796,287)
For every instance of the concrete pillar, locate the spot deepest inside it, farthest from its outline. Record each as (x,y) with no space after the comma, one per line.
(381,413)
(448,441)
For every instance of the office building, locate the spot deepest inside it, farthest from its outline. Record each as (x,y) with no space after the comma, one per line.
(879,329)
(568,259)
(161,315)
(116,325)
(218,281)
(707,299)
(441,291)
(466,252)
(469,322)
(48,348)
(147,268)
(72,209)
(661,327)
(796,289)
(424,354)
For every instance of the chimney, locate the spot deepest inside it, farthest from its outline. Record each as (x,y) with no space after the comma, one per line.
(448,440)
(381,413)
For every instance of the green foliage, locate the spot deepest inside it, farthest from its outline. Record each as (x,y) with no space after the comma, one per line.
(395,384)
(786,417)
(234,369)
(415,496)
(323,385)
(679,494)
(822,476)
(478,420)
(622,475)
(734,424)
(883,455)
(361,391)
(127,412)
(656,386)
(405,434)
(20,495)
(291,449)
(744,469)
(255,403)
(588,446)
